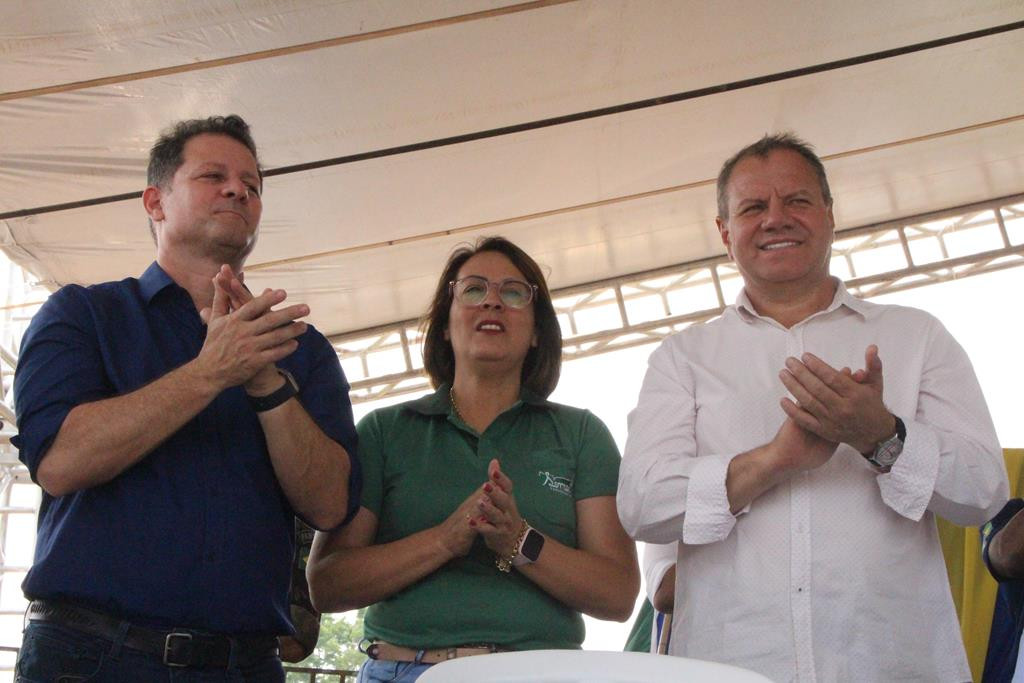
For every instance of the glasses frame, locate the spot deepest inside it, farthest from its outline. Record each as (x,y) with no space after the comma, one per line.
(498,285)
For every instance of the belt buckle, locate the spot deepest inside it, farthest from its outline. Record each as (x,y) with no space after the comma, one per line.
(187,637)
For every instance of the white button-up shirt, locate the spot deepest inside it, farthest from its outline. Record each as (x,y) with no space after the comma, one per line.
(837,574)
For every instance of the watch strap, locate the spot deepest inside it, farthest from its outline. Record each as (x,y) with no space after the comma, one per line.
(272,400)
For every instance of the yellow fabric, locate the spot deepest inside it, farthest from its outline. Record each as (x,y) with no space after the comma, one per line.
(974,589)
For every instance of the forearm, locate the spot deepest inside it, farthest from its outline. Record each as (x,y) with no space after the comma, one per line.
(312,468)
(1006,549)
(101,439)
(750,475)
(600,586)
(346,578)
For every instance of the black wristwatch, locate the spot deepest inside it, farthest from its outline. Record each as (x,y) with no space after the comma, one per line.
(264,403)
(529,549)
(886,452)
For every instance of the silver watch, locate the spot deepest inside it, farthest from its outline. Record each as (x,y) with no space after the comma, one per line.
(886,452)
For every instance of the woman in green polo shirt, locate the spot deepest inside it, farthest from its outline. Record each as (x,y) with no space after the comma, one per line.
(488,516)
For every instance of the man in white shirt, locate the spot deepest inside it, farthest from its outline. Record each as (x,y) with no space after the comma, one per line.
(803,493)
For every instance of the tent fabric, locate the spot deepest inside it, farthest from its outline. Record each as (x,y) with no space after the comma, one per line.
(509,118)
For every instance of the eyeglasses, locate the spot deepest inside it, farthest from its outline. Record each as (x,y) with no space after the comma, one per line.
(473,290)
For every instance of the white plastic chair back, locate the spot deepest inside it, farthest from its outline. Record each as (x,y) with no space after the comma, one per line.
(584,666)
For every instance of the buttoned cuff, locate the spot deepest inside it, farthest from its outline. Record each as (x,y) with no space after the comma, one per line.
(708,518)
(907,488)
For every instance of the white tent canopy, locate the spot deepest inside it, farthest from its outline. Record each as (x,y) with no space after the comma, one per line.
(588,131)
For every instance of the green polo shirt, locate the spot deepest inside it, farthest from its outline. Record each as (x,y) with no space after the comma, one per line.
(420,462)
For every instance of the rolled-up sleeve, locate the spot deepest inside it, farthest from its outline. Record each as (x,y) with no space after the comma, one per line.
(951,462)
(60,367)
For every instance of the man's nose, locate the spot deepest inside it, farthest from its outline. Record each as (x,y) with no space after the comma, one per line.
(775,215)
(235,187)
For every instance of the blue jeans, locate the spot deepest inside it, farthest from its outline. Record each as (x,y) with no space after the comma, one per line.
(51,653)
(387,671)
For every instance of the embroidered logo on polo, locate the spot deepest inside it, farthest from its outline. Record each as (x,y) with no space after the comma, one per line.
(557,484)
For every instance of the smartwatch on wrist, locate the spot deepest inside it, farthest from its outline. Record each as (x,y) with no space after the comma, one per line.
(529,548)
(887,451)
(272,400)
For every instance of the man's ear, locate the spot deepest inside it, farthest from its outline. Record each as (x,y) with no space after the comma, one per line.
(152,200)
(723,232)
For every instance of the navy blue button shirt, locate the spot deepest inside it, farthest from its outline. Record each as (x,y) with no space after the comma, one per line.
(1008,615)
(198,533)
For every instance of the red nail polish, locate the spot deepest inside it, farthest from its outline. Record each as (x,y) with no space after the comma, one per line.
(488,488)
(472,522)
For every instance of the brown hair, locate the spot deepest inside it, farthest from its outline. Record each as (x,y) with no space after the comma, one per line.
(543,362)
(762,148)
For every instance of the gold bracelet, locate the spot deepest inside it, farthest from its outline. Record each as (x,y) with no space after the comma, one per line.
(504,564)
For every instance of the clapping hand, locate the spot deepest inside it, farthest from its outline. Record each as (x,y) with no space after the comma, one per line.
(838,405)
(245,336)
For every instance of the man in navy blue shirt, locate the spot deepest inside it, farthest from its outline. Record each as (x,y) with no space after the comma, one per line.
(177,424)
(1002,546)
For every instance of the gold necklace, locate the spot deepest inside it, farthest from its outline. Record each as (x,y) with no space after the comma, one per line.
(455,406)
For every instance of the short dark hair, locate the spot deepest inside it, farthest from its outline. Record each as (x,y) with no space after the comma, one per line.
(543,363)
(167,154)
(762,148)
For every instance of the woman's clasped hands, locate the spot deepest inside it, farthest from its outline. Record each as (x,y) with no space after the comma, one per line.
(490,512)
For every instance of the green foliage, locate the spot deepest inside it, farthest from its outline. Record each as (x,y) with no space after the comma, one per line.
(337,648)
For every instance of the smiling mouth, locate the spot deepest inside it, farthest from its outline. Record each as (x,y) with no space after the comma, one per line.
(490,327)
(779,245)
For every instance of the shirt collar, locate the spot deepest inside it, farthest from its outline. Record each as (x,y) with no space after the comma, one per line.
(842,297)
(154,281)
(438,402)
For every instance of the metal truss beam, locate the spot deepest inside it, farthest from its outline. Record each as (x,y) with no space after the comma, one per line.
(646,307)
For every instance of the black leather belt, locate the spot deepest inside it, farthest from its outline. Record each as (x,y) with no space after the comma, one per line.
(178,648)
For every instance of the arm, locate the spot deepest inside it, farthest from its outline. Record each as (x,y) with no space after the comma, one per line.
(791,451)
(666,492)
(600,578)
(347,571)
(951,462)
(82,455)
(1002,542)
(1006,549)
(312,468)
